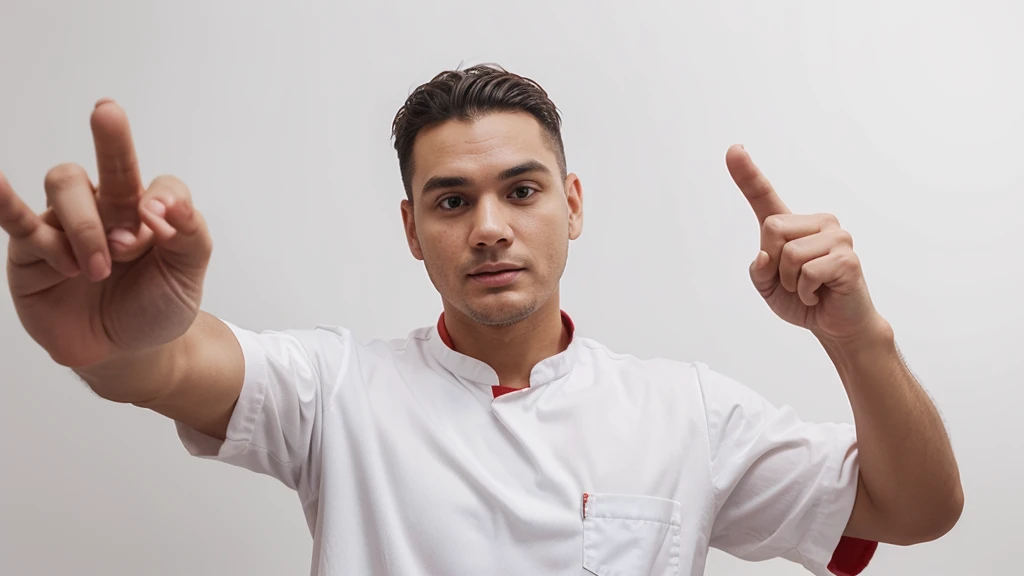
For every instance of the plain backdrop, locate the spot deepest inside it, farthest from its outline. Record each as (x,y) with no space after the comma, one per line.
(902,118)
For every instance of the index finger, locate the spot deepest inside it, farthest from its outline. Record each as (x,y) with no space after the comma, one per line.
(16,218)
(757,189)
(120,181)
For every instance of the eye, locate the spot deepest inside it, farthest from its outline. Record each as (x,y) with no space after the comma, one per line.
(452,202)
(523,192)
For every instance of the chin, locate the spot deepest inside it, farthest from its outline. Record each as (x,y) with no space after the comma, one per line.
(498,309)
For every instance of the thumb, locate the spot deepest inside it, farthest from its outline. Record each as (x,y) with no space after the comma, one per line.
(179,230)
(764,273)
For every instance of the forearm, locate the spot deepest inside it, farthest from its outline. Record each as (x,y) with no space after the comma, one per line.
(907,467)
(137,376)
(195,379)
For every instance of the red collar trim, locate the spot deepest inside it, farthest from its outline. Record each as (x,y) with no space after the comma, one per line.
(442,329)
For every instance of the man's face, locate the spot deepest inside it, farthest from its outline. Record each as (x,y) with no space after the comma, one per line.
(491,216)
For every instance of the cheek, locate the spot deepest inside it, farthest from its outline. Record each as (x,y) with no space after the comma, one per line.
(439,245)
(546,238)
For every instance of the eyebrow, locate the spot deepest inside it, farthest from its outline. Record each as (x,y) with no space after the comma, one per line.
(441,182)
(524,168)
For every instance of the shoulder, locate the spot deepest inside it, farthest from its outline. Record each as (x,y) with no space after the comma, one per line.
(716,389)
(596,352)
(324,344)
(653,370)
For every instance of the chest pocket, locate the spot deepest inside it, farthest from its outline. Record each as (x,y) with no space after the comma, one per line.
(627,534)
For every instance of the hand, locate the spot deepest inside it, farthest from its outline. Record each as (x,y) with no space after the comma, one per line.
(806,269)
(105,270)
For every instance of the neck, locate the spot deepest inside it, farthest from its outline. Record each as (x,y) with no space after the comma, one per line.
(512,351)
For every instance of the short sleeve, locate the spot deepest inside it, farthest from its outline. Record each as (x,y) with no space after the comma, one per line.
(783,488)
(276,424)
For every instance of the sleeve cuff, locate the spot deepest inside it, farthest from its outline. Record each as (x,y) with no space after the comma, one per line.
(247,409)
(826,551)
(851,556)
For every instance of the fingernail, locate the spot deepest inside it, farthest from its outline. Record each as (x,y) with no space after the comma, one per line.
(98,267)
(156,207)
(121,236)
(102,101)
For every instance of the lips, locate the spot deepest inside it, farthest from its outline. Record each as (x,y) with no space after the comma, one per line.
(494,268)
(496,275)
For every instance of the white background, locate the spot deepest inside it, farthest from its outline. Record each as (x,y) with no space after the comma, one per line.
(902,118)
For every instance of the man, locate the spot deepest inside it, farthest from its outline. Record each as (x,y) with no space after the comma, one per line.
(498,441)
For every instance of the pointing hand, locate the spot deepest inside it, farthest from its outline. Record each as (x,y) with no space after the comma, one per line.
(806,269)
(105,269)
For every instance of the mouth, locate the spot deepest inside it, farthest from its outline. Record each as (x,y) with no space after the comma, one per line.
(496,275)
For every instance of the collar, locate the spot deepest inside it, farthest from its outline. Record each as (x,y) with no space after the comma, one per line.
(478,372)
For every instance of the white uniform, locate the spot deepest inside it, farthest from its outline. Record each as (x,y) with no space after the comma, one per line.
(408,460)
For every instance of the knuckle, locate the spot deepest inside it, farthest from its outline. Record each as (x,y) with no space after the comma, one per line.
(830,220)
(84,229)
(774,221)
(848,259)
(851,259)
(844,237)
(17,250)
(810,273)
(40,240)
(790,253)
(119,166)
(169,185)
(63,175)
(774,225)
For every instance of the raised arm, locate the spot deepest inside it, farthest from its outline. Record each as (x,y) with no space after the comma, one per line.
(108,280)
(806,270)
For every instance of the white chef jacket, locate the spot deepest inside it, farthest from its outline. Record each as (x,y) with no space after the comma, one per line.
(409,459)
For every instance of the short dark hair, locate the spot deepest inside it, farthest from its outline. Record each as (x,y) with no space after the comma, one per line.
(467,95)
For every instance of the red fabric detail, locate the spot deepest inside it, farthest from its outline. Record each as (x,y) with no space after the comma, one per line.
(502,390)
(851,556)
(442,331)
(570,327)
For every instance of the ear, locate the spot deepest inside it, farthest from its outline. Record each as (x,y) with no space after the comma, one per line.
(409,223)
(574,198)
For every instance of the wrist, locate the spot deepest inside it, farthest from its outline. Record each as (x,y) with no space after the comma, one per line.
(875,343)
(132,376)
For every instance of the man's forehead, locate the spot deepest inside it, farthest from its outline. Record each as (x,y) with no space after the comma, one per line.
(492,142)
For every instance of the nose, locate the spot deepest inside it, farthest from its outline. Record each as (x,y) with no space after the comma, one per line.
(490,224)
